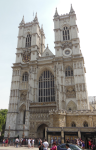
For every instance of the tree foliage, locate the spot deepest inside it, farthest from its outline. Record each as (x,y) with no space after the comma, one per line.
(3,114)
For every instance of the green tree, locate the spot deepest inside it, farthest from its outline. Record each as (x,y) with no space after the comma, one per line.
(3,114)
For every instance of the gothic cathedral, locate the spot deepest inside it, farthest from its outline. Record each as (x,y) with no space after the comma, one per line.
(49,91)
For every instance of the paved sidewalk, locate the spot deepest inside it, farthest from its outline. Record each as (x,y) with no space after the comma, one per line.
(19,148)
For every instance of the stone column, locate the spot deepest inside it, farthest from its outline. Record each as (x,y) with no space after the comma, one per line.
(79,134)
(46,133)
(62,135)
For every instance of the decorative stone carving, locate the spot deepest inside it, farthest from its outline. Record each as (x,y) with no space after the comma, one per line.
(23,96)
(67,45)
(26,56)
(70,92)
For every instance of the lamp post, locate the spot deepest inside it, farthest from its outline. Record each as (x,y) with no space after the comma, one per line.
(23,135)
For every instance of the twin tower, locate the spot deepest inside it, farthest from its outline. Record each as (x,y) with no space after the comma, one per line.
(44,83)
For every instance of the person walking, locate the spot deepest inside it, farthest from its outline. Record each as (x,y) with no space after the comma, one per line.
(45,145)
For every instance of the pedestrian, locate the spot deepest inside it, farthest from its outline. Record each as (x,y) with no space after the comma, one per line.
(51,142)
(33,143)
(6,142)
(67,146)
(45,145)
(3,142)
(54,147)
(17,142)
(40,145)
(29,144)
(89,143)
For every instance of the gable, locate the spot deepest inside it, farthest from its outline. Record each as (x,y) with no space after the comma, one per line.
(47,53)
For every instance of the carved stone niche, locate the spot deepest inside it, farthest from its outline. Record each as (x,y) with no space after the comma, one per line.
(23,96)
(70,92)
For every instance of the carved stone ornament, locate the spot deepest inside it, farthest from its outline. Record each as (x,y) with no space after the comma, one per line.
(70,92)
(67,44)
(23,96)
(26,56)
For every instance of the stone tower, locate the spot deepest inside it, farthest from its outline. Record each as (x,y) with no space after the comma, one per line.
(71,77)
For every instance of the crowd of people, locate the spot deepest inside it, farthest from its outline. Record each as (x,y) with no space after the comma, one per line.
(43,145)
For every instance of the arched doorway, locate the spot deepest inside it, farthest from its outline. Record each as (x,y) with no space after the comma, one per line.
(41,131)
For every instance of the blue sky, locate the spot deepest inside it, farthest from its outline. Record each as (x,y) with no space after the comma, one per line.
(11,13)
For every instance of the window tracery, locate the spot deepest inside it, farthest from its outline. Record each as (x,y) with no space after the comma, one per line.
(28,40)
(25,77)
(66,35)
(73,124)
(69,71)
(46,87)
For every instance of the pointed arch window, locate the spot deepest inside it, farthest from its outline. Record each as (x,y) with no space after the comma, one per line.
(28,40)
(46,87)
(73,124)
(69,71)
(85,124)
(66,35)
(25,77)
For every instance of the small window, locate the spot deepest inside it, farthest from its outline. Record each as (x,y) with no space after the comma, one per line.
(85,124)
(25,77)
(66,35)
(28,41)
(47,54)
(69,71)
(73,124)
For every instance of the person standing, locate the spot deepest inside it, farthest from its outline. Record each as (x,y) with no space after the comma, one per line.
(40,145)
(51,142)
(29,144)
(67,146)
(89,143)
(54,147)
(3,142)
(17,141)
(33,143)
(45,145)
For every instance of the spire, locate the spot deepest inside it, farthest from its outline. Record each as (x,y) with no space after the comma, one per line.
(47,46)
(71,9)
(22,22)
(56,13)
(36,19)
(42,28)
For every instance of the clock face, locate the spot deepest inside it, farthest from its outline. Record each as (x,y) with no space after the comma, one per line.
(67,52)
(26,56)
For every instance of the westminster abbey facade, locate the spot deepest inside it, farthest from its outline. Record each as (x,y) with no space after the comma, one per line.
(49,91)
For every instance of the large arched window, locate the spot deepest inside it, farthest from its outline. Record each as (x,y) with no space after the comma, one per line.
(73,124)
(28,40)
(46,87)
(25,77)
(85,124)
(69,71)
(66,35)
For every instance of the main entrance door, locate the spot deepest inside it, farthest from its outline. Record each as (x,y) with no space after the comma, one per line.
(41,131)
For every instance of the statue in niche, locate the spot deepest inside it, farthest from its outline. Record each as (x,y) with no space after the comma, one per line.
(23,96)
